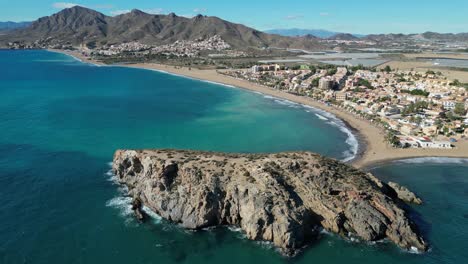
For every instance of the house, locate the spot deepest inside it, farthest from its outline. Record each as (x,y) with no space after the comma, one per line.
(448,105)
(341,96)
(409,142)
(426,142)
(326,84)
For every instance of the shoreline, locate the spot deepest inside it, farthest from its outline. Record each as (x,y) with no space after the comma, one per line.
(371,146)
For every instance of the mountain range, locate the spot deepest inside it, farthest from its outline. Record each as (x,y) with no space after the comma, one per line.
(9,25)
(80,25)
(319,33)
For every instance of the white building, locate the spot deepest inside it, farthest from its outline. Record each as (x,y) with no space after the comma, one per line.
(448,105)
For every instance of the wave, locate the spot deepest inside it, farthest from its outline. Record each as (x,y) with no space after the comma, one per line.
(436,160)
(234,229)
(333,120)
(217,83)
(321,117)
(123,204)
(351,139)
(154,216)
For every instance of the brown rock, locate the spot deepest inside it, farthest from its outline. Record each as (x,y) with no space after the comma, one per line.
(280,197)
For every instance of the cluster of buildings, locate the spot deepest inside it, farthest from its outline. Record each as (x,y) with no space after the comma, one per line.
(192,48)
(177,49)
(113,50)
(295,80)
(423,110)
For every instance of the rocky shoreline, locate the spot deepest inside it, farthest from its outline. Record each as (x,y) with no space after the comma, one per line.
(282,198)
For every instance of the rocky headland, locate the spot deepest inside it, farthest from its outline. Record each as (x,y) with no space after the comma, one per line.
(283,198)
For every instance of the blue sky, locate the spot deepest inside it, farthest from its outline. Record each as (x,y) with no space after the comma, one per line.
(358,16)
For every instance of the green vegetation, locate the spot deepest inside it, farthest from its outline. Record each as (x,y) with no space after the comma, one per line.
(414,108)
(459,109)
(315,82)
(366,83)
(332,71)
(459,84)
(416,92)
(387,69)
(392,139)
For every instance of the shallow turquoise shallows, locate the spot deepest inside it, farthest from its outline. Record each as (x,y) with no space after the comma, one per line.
(61,120)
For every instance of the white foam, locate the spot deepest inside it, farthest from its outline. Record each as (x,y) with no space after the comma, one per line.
(234,229)
(351,139)
(76,58)
(436,160)
(265,244)
(217,83)
(122,203)
(154,216)
(321,117)
(414,250)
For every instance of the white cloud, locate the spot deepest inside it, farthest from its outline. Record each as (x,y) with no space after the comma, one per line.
(324,14)
(120,12)
(153,11)
(293,17)
(199,10)
(62,5)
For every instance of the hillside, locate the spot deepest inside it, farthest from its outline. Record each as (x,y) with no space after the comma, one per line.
(6,26)
(79,25)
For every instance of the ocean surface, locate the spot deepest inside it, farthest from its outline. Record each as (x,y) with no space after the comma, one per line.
(61,121)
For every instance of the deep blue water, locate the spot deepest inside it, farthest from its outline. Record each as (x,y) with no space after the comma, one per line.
(61,121)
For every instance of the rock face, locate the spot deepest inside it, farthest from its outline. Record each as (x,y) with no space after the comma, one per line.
(280,197)
(404,194)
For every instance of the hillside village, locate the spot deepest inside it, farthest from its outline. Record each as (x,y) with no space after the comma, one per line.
(416,109)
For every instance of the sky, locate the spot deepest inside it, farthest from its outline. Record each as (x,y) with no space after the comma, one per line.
(353,16)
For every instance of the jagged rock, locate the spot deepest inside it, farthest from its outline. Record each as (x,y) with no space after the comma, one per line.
(137,207)
(404,194)
(280,198)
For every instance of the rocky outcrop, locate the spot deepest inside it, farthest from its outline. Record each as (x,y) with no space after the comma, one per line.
(404,194)
(280,198)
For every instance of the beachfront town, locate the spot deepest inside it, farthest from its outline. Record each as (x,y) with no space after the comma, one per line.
(179,48)
(416,109)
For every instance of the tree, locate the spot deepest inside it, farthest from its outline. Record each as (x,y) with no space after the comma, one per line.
(315,82)
(456,82)
(416,92)
(459,109)
(387,69)
(392,139)
(366,83)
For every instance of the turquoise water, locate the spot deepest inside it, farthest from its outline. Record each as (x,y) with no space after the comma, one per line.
(61,121)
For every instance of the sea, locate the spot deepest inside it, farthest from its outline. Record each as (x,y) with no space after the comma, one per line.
(61,120)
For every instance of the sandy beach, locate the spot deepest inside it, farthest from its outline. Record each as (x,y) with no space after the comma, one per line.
(372,148)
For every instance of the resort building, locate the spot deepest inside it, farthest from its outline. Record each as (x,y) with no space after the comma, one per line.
(326,84)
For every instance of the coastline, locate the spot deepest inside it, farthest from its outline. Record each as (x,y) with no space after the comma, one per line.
(371,150)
